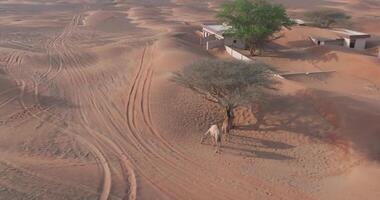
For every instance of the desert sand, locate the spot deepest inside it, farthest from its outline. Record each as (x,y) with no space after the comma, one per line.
(87,110)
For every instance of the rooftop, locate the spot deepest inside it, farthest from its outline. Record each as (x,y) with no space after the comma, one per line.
(217,29)
(326,38)
(351,33)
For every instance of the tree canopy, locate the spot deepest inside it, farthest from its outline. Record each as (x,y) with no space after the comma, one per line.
(327,18)
(254,21)
(227,83)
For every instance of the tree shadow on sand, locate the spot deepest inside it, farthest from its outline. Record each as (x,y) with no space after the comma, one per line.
(319,117)
(293,113)
(361,130)
(312,54)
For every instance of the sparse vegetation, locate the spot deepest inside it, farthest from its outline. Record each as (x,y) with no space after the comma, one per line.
(328,18)
(227,83)
(254,21)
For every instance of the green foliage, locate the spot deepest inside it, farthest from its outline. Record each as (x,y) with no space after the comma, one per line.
(327,18)
(228,83)
(255,21)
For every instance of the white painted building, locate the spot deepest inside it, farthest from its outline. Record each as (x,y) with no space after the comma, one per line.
(342,37)
(213,36)
(353,39)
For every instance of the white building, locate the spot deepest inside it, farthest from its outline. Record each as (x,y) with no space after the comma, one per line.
(353,39)
(342,37)
(214,35)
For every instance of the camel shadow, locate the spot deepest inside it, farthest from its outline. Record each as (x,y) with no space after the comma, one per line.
(255,142)
(253,153)
(245,146)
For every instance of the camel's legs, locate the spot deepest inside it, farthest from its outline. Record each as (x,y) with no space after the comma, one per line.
(204,136)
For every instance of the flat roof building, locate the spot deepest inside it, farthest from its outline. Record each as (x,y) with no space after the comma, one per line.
(353,39)
(213,36)
(342,37)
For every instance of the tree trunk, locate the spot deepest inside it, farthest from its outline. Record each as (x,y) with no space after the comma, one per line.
(252,51)
(230,118)
(260,48)
(252,48)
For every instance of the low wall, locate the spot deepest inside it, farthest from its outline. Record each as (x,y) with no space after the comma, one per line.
(237,55)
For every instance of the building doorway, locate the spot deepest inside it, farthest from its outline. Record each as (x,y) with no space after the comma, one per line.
(352,43)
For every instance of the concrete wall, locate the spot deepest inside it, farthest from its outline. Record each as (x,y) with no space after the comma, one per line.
(347,42)
(237,55)
(360,44)
(336,42)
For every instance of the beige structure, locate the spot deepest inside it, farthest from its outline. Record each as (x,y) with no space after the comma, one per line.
(343,37)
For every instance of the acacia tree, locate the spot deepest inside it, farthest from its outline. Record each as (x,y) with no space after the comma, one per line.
(227,83)
(327,18)
(254,21)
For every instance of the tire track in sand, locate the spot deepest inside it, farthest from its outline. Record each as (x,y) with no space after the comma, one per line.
(100,157)
(138,106)
(76,70)
(104,194)
(158,151)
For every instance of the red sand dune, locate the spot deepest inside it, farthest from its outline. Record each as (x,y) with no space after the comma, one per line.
(88,111)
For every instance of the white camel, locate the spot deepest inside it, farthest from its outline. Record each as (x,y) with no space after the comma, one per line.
(216,136)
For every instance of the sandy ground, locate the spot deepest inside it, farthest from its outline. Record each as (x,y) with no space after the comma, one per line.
(87,110)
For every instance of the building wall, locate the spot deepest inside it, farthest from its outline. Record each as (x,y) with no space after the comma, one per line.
(360,44)
(347,42)
(235,43)
(336,42)
(214,44)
